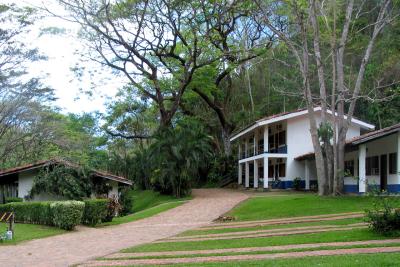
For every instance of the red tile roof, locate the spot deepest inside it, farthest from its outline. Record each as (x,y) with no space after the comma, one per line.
(43,163)
(360,139)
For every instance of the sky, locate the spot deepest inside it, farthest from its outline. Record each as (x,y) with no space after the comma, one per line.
(56,70)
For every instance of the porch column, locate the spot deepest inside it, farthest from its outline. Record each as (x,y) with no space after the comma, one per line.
(255,173)
(307,174)
(266,139)
(398,158)
(239,150)
(265,185)
(240,174)
(362,153)
(255,139)
(247,175)
(246,147)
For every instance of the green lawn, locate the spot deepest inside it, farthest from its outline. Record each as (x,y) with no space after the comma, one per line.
(366,260)
(146,204)
(24,232)
(259,208)
(144,199)
(144,213)
(334,236)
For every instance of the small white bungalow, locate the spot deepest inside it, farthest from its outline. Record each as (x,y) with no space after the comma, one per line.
(17,182)
(282,143)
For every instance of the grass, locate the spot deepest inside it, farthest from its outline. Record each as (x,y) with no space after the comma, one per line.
(351,235)
(366,260)
(147,203)
(267,227)
(394,244)
(25,232)
(143,213)
(145,199)
(260,208)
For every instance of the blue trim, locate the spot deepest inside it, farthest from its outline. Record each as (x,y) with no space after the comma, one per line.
(393,188)
(351,188)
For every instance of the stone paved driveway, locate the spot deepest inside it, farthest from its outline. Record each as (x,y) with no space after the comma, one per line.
(90,243)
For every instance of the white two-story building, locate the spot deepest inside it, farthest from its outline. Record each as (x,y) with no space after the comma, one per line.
(276,150)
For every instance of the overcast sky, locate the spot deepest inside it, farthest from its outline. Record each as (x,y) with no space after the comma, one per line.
(60,50)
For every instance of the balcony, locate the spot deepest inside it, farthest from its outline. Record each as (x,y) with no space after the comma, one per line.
(282,149)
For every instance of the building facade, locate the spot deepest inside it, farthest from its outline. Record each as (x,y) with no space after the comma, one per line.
(276,151)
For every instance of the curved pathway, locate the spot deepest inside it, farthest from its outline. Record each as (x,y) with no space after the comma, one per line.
(90,243)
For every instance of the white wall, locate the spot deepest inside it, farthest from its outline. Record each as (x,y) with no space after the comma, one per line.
(114,191)
(382,146)
(25,182)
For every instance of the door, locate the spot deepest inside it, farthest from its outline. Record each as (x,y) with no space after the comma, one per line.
(383,172)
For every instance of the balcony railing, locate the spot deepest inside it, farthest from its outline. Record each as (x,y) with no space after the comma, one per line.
(280,150)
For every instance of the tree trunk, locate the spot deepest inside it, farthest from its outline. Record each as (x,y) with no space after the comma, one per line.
(226,133)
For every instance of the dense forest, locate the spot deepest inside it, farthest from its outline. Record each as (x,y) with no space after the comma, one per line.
(196,72)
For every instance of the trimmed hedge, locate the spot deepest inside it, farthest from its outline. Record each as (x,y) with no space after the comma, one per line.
(67,214)
(95,212)
(13,199)
(30,212)
(63,214)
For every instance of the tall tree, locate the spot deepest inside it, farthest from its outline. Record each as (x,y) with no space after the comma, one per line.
(308,23)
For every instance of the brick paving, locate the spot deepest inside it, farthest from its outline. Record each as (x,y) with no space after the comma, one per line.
(281,233)
(305,219)
(89,243)
(276,230)
(287,255)
(251,249)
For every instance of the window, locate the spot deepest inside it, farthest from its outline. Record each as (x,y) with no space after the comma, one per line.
(261,146)
(282,170)
(393,163)
(282,138)
(270,171)
(349,168)
(372,165)
(271,142)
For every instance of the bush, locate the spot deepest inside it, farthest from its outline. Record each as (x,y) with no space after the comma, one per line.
(113,208)
(30,212)
(96,211)
(13,199)
(297,183)
(126,202)
(67,214)
(384,217)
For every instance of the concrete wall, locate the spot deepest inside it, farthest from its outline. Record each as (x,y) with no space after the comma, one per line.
(114,191)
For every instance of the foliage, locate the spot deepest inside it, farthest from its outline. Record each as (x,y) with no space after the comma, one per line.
(297,183)
(126,202)
(67,214)
(65,181)
(113,209)
(384,216)
(96,211)
(30,212)
(177,155)
(13,199)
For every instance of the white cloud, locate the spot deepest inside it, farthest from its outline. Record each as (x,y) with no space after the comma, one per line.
(60,50)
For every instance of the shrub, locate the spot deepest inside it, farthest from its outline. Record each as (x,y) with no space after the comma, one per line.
(113,208)
(126,202)
(67,214)
(13,199)
(297,183)
(96,210)
(30,212)
(384,217)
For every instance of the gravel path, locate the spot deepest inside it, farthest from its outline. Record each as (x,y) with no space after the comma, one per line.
(345,251)
(252,249)
(90,243)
